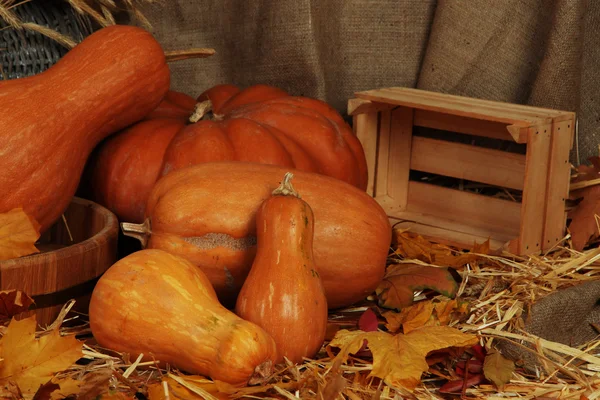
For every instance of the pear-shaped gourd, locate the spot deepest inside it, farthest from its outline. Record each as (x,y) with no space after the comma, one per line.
(283,292)
(161,305)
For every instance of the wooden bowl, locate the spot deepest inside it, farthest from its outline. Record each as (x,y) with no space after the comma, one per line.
(65,269)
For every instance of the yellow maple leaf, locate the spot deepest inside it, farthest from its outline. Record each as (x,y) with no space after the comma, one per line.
(18,234)
(400,360)
(31,362)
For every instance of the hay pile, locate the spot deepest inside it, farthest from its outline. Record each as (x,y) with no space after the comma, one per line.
(498,289)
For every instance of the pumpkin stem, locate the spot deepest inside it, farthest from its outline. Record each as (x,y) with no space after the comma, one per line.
(137,231)
(286,188)
(261,373)
(201,110)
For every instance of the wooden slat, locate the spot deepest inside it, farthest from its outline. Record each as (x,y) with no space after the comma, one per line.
(400,148)
(511,114)
(466,125)
(558,183)
(365,126)
(361,106)
(534,190)
(383,154)
(494,167)
(525,109)
(464,227)
(451,235)
(497,215)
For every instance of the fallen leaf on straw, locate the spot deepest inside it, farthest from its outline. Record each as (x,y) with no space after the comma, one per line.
(414,247)
(18,234)
(397,289)
(13,302)
(498,369)
(401,359)
(583,226)
(433,312)
(32,362)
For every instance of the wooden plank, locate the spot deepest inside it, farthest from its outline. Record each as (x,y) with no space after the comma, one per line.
(463,227)
(534,190)
(458,105)
(361,106)
(466,125)
(449,236)
(400,149)
(383,154)
(480,211)
(558,183)
(494,167)
(366,131)
(529,110)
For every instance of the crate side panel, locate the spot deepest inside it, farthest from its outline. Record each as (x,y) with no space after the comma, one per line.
(457,160)
(558,183)
(480,211)
(401,130)
(460,124)
(534,189)
(366,130)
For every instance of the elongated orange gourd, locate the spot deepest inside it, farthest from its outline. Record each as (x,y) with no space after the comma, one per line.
(161,305)
(51,121)
(283,292)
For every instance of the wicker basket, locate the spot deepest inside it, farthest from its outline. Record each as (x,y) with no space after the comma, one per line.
(24,52)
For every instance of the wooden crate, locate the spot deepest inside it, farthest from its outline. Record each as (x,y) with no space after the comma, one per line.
(385,121)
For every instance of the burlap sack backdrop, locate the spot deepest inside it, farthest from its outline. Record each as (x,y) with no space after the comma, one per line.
(539,52)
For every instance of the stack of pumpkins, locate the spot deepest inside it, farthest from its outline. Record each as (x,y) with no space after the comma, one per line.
(254,217)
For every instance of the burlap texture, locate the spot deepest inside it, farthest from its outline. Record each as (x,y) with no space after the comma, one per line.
(565,316)
(539,52)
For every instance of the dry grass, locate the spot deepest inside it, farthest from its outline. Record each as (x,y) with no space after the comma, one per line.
(101,11)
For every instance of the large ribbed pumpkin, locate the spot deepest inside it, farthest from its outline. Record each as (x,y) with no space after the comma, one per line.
(261,124)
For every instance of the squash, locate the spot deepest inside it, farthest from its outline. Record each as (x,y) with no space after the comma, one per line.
(283,293)
(51,121)
(206,213)
(161,305)
(260,124)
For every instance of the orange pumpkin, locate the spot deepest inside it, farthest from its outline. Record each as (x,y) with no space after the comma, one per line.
(283,293)
(261,124)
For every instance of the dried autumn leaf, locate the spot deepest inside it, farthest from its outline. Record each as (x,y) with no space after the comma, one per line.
(410,318)
(583,226)
(397,288)
(31,362)
(368,321)
(415,247)
(432,312)
(18,234)
(67,387)
(13,302)
(400,360)
(588,172)
(498,369)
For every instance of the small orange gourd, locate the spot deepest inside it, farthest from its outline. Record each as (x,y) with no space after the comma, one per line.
(283,292)
(161,305)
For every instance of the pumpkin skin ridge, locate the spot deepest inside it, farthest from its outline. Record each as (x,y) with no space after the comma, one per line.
(97,69)
(250,95)
(215,330)
(344,167)
(352,232)
(345,130)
